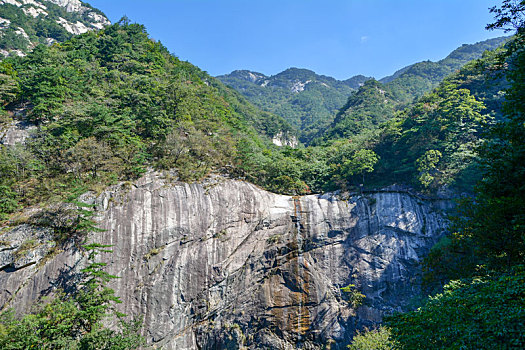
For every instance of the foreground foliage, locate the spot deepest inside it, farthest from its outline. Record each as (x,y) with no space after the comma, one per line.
(484,307)
(480,313)
(376,339)
(74,320)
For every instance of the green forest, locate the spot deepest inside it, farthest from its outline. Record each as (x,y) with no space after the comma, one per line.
(307,108)
(310,109)
(113,104)
(475,274)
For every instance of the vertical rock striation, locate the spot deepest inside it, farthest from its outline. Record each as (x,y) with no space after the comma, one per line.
(226,265)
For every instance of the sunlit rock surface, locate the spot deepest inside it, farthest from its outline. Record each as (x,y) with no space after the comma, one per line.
(226,265)
(285,139)
(83,19)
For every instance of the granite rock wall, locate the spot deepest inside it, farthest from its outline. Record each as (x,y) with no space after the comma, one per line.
(227,265)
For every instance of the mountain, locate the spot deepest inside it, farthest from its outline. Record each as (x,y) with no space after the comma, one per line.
(413,81)
(132,181)
(305,99)
(156,147)
(433,142)
(26,23)
(310,101)
(367,108)
(375,103)
(123,98)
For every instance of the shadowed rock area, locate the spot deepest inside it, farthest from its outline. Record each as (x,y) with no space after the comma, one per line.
(226,265)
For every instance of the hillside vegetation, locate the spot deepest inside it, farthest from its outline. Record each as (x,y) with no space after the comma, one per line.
(322,108)
(413,81)
(305,99)
(481,263)
(375,103)
(25,24)
(112,103)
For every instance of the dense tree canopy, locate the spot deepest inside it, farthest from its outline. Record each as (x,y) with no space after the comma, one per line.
(73,320)
(482,313)
(484,309)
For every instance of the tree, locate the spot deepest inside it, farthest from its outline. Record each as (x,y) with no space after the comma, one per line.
(354,162)
(89,156)
(9,87)
(483,307)
(495,221)
(73,321)
(510,16)
(427,166)
(8,175)
(479,313)
(375,339)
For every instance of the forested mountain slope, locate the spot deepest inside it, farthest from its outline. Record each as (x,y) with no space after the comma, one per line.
(305,99)
(482,262)
(434,142)
(110,108)
(310,101)
(110,104)
(377,102)
(169,159)
(414,80)
(26,23)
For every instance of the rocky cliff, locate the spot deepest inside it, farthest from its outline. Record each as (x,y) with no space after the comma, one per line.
(225,264)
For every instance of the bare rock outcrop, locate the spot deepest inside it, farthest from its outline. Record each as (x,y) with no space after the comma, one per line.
(226,265)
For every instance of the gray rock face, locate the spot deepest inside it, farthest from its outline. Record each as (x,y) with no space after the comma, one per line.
(285,139)
(70,5)
(16,133)
(226,265)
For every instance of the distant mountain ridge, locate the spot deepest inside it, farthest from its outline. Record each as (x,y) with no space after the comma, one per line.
(416,79)
(292,78)
(24,24)
(311,102)
(464,53)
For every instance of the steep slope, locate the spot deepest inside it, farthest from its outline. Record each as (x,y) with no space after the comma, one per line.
(377,102)
(433,143)
(26,23)
(226,265)
(211,265)
(413,81)
(310,101)
(305,99)
(371,105)
(108,105)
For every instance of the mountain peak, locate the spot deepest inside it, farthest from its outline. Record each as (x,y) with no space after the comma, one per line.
(301,96)
(248,75)
(295,70)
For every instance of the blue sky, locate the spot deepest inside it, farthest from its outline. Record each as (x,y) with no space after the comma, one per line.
(339,38)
